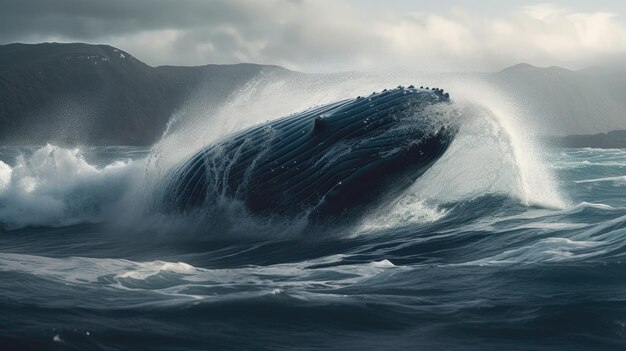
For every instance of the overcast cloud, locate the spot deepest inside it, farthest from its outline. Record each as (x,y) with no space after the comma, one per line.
(316,35)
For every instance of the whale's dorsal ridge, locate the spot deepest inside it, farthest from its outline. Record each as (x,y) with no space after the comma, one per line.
(318,124)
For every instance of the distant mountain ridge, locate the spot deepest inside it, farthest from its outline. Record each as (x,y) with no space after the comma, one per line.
(565,102)
(612,140)
(98,94)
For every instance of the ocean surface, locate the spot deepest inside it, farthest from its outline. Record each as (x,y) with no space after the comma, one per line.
(491,269)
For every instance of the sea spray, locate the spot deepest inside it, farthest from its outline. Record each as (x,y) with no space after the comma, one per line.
(492,154)
(54,186)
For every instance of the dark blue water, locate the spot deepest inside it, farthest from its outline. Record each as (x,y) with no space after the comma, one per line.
(489,271)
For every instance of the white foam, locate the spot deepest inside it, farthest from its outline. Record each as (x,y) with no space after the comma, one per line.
(180,282)
(545,250)
(406,211)
(584,205)
(56,186)
(149,269)
(535,184)
(617,180)
(5,175)
(383,264)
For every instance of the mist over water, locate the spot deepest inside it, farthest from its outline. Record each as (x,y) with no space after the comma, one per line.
(484,251)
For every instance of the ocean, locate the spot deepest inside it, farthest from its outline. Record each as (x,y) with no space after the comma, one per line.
(451,266)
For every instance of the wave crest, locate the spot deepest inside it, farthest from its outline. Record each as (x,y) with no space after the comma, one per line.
(54,186)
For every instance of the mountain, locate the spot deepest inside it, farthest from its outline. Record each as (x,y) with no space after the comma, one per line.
(612,140)
(98,94)
(565,102)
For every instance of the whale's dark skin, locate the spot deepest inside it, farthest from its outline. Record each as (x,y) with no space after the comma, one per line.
(330,163)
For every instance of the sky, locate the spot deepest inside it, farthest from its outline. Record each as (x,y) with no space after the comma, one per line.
(334,35)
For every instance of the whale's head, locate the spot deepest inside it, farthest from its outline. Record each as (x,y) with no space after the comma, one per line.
(377,146)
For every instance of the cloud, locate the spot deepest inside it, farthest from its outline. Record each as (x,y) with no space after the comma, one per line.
(323,35)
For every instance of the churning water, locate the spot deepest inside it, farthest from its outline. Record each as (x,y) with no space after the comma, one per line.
(502,244)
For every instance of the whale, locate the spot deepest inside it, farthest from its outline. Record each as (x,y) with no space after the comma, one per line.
(329,164)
